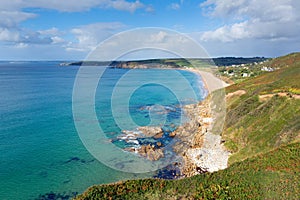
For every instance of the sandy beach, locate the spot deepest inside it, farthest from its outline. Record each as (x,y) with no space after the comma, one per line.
(211,82)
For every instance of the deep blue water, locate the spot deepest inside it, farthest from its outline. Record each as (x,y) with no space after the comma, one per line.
(41,152)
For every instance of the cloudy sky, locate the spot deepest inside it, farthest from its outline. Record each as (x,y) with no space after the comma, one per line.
(70,29)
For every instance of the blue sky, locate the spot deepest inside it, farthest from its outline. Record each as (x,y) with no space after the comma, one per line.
(70,29)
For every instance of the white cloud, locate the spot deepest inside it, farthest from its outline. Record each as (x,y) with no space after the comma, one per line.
(52,31)
(13,18)
(20,45)
(7,35)
(57,40)
(125,5)
(175,6)
(64,6)
(228,33)
(89,36)
(159,37)
(145,43)
(269,20)
(12,14)
(15,36)
(150,9)
(265,10)
(54,34)
(34,37)
(72,5)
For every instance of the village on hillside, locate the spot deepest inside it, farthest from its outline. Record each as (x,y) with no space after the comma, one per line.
(239,72)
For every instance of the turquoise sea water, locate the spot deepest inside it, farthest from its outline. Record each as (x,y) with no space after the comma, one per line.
(41,153)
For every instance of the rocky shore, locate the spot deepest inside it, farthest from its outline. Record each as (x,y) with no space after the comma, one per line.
(199,146)
(152,151)
(202,151)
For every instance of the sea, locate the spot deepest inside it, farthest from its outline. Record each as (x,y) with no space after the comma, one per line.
(42,155)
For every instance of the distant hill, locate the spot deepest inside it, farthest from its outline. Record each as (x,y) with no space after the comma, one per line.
(262,130)
(226,61)
(170,63)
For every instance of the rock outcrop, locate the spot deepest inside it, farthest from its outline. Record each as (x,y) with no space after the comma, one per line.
(151,131)
(201,150)
(150,152)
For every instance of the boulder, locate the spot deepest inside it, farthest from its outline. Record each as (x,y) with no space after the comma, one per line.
(158,144)
(158,135)
(172,134)
(150,131)
(150,152)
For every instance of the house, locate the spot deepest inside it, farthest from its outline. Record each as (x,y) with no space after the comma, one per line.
(245,75)
(267,69)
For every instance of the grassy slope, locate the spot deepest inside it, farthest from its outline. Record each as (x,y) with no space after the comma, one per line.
(263,166)
(274,175)
(254,126)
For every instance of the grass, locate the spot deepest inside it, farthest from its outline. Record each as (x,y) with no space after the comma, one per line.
(254,126)
(273,175)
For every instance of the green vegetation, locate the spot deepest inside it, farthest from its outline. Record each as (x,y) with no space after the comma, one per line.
(173,62)
(254,126)
(241,72)
(262,133)
(274,175)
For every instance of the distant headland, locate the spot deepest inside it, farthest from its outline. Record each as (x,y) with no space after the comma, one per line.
(169,62)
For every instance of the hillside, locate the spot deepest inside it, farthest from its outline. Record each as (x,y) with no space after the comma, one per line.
(265,113)
(262,130)
(268,176)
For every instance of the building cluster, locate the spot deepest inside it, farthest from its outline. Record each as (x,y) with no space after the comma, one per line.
(245,70)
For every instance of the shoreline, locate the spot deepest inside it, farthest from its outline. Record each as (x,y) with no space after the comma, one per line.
(199,149)
(206,152)
(211,82)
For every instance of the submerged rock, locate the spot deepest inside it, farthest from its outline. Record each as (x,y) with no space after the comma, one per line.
(158,144)
(51,196)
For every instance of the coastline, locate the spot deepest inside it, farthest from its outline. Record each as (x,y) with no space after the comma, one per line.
(199,148)
(206,152)
(211,82)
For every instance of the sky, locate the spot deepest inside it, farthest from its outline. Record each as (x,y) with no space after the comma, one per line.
(70,29)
